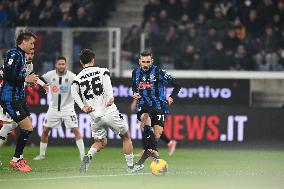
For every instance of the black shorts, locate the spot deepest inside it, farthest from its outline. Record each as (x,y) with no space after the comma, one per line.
(16,109)
(157,115)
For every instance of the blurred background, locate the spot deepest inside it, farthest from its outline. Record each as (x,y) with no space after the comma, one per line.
(228,56)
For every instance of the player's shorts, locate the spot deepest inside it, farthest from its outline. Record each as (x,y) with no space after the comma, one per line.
(4,116)
(16,109)
(157,116)
(54,118)
(113,121)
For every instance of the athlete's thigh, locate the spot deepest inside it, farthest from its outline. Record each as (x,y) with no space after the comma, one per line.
(99,128)
(116,123)
(157,117)
(15,110)
(52,119)
(70,119)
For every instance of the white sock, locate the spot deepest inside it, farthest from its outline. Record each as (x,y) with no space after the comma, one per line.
(129,159)
(42,148)
(6,128)
(22,156)
(81,147)
(15,159)
(92,152)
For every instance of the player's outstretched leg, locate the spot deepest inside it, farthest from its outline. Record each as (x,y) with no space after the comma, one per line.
(128,151)
(96,147)
(148,141)
(25,132)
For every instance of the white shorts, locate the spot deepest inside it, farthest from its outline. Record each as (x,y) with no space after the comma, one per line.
(54,118)
(113,121)
(5,117)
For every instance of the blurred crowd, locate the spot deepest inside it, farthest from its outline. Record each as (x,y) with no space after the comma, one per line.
(51,13)
(210,34)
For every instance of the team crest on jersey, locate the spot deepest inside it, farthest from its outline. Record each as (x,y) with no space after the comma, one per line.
(152,77)
(66,80)
(54,89)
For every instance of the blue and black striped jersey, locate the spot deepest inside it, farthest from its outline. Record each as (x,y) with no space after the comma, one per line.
(151,87)
(14,74)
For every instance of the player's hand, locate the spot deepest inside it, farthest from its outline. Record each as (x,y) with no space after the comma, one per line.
(87,109)
(136,96)
(170,100)
(46,88)
(133,105)
(109,102)
(31,78)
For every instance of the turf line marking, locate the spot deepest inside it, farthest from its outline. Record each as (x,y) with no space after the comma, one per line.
(72,177)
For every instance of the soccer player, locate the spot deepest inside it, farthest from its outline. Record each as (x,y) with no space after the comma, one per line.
(61,109)
(92,91)
(7,124)
(171,144)
(148,83)
(12,95)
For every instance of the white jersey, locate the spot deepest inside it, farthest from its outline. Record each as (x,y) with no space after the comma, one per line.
(92,87)
(60,88)
(29,68)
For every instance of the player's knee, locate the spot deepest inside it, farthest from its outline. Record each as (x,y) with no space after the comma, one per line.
(158,133)
(126,137)
(45,131)
(145,119)
(101,142)
(76,133)
(25,133)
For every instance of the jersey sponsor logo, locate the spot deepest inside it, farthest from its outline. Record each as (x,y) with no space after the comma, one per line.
(145,85)
(64,88)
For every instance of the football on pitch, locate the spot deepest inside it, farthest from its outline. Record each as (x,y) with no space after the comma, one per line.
(159,168)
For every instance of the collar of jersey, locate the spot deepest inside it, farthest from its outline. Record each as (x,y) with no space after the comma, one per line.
(150,69)
(90,67)
(21,50)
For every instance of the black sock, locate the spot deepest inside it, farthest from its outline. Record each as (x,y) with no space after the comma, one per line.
(21,142)
(164,138)
(143,158)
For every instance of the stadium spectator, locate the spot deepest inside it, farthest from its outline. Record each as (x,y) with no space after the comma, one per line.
(241,60)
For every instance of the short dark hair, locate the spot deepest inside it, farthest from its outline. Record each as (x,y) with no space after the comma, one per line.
(24,35)
(61,58)
(86,56)
(146,53)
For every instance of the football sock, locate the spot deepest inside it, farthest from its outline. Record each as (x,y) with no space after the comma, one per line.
(143,158)
(6,128)
(21,142)
(129,159)
(42,148)
(164,138)
(80,145)
(15,159)
(92,152)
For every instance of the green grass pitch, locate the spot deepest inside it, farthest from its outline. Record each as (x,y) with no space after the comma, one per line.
(188,168)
